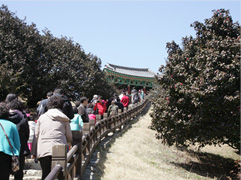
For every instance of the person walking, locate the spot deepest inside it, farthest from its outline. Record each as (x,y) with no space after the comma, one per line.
(113,109)
(135,97)
(125,100)
(91,114)
(142,95)
(76,123)
(67,108)
(10,97)
(133,90)
(120,104)
(82,109)
(31,124)
(115,97)
(6,151)
(121,95)
(100,106)
(42,108)
(19,118)
(94,100)
(52,128)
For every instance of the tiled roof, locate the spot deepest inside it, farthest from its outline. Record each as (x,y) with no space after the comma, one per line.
(141,72)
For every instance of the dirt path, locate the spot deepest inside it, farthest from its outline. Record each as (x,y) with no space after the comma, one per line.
(135,154)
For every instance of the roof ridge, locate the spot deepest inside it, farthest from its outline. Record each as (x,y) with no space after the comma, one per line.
(129,68)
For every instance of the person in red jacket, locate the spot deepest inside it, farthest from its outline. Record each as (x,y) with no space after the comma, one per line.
(125,100)
(100,106)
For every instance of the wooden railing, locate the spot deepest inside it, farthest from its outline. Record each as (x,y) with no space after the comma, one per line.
(72,164)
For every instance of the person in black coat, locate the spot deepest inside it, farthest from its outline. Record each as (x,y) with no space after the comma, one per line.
(120,105)
(19,118)
(67,106)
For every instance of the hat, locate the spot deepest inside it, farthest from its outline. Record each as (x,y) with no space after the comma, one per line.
(95,96)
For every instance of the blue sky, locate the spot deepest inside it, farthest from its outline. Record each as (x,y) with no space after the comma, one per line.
(127,33)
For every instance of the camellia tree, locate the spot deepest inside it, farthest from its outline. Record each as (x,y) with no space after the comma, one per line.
(20,57)
(197,100)
(32,64)
(70,68)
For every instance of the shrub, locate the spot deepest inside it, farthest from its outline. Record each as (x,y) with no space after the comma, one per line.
(197,99)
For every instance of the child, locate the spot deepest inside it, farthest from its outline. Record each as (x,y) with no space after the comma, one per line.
(91,114)
(31,124)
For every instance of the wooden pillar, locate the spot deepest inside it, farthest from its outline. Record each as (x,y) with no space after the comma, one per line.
(59,156)
(129,89)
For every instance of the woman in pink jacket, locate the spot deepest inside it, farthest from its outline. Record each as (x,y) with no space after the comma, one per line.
(52,128)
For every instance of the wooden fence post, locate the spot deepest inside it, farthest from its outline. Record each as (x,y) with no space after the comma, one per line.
(105,116)
(119,111)
(59,156)
(98,118)
(86,128)
(92,123)
(114,124)
(77,139)
(125,109)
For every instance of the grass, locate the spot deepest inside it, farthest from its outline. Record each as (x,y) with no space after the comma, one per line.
(135,154)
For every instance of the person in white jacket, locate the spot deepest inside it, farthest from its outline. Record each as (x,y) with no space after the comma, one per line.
(52,128)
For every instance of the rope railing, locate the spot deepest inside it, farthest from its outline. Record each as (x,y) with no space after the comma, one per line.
(72,164)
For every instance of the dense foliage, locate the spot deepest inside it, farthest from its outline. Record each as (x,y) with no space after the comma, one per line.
(32,64)
(197,100)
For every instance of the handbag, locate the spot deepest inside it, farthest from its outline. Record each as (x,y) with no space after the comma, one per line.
(15,160)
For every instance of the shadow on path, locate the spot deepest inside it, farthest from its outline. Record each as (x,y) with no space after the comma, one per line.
(209,165)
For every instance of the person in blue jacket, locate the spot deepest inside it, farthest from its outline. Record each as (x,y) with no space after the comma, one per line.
(5,149)
(76,123)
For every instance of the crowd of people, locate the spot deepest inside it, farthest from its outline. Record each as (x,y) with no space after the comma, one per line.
(55,120)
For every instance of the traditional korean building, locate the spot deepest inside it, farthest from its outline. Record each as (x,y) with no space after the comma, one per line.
(128,77)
